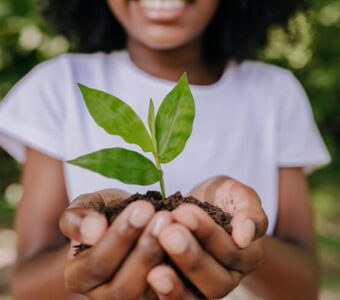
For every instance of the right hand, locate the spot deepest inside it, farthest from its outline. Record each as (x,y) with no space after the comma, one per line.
(121,256)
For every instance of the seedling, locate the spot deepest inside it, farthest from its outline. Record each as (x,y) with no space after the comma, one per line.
(169,132)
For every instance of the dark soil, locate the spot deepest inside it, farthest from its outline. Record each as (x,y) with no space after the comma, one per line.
(172,202)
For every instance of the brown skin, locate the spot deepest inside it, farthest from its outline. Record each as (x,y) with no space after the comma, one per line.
(91,272)
(290,268)
(165,51)
(41,257)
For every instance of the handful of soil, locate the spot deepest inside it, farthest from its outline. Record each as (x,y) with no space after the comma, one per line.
(171,203)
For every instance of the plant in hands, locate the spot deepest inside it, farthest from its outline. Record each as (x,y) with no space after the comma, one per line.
(169,132)
(210,265)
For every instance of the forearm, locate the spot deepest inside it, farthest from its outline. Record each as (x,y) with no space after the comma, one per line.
(288,272)
(42,277)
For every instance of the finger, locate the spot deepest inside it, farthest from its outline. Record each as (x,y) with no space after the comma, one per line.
(216,241)
(213,237)
(83,206)
(98,264)
(168,286)
(249,220)
(213,280)
(247,226)
(146,255)
(83,225)
(82,222)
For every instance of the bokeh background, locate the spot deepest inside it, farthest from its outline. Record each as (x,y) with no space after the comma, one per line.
(312,52)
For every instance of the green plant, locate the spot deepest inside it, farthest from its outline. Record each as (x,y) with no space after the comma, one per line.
(169,132)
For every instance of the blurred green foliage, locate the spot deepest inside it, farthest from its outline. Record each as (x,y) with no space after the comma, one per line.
(313,55)
(25,40)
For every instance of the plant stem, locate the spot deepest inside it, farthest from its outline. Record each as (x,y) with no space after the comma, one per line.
(155,154)
(162,188)
(162,179)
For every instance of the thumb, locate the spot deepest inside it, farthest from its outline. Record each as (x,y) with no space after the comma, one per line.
(248,225)
(243,230)
(84,225)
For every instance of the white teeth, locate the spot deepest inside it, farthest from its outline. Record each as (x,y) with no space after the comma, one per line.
(162,4)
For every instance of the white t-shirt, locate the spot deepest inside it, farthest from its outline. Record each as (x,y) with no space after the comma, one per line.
(255,119)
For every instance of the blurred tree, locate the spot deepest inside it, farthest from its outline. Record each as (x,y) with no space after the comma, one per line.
(25,40)
(314,57)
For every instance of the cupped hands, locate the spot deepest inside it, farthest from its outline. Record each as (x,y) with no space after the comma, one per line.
(126,258)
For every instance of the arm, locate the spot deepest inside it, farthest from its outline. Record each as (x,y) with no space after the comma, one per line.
(39,271)
(290,268)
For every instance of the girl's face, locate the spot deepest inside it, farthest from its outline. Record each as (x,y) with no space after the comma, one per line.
(164,24)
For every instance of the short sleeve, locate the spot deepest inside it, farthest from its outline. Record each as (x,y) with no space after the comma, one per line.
(32,113)
(299,141)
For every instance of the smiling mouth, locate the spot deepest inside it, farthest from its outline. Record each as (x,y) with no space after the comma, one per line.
(163,4)
(163,11)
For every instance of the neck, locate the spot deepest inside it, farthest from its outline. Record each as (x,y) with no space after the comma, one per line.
(171,64)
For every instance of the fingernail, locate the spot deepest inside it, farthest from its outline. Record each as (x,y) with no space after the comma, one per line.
(163,285)
(91,228)
(248,228)
(75,219)
(157,225)
(140,217)
(175,242)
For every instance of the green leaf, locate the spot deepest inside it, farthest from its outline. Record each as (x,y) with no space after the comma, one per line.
(125,165)
(174,121)
(116,117)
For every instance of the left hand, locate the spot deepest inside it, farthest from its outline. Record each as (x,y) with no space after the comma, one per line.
(211,259)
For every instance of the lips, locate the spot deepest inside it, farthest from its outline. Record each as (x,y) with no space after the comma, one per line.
(163,10)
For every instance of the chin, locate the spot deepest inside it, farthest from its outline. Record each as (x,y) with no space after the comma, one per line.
(163,44)
(164,40)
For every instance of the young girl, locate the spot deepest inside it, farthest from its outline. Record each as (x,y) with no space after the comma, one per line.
(253,123)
